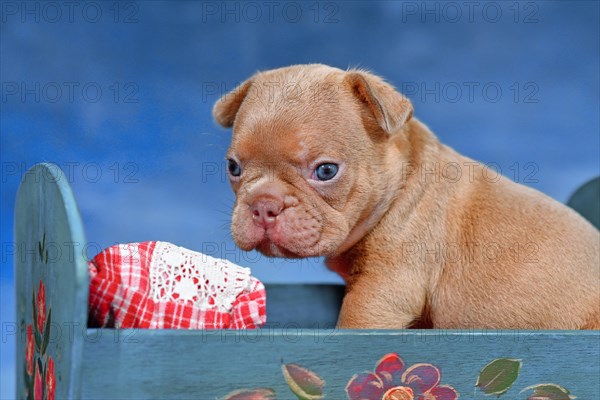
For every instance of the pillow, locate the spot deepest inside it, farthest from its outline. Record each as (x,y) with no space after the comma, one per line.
(160,285)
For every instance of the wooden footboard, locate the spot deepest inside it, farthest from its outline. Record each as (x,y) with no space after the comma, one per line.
(296,355)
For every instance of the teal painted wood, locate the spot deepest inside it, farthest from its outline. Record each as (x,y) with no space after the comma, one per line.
(50,258)
(304,306)
(207,365)
(586,201)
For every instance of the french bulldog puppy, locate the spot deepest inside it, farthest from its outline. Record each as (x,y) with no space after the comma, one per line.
(333,163)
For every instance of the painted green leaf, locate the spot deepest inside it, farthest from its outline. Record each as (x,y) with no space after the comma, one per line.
(28,379)
(42,247)
(548,391)
(498,376)
(305,384)
(46,332)
(36,332)
(32,382)
(44,388)
(251,394)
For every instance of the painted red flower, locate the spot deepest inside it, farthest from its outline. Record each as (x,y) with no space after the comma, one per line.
(41,307)
(29,350)
(391,381)
(37,385)
(50,380)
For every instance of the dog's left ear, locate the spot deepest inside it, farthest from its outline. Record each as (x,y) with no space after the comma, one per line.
(390,109)
(226,108)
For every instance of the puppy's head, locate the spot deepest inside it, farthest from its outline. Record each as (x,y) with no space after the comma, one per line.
(311,158)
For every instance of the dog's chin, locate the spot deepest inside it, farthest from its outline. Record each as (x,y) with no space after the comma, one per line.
(270,249)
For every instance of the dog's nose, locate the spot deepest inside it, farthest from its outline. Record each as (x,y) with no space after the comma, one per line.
(265,211)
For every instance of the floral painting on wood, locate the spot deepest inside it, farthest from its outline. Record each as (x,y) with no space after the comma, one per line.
(40,378)
(392,379)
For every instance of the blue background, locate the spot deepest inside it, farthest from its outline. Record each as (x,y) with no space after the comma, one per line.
(141,155)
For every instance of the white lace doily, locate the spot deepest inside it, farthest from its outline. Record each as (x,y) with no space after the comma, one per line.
(178,274)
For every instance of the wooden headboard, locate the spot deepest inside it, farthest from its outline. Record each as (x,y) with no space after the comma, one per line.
(50,258)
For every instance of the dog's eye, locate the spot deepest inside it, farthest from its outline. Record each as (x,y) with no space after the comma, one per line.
(234,168)
(327,171)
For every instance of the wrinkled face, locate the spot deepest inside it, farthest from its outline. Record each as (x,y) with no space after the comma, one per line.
(304,169)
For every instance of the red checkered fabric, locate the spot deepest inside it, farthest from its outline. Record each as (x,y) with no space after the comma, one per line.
(122,296)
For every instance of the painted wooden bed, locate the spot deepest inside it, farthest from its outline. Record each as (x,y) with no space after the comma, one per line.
(68,360)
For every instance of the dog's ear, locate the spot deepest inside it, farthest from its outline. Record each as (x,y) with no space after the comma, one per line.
(390,109)
(226,108)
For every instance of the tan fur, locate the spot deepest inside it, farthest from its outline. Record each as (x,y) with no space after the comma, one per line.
(417,243)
